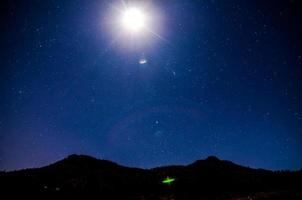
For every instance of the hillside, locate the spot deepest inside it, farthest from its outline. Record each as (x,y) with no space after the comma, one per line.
(87,177)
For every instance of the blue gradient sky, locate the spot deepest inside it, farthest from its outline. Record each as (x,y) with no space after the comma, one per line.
(224,78)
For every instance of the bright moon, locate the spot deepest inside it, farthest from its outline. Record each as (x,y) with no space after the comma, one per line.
(133,19)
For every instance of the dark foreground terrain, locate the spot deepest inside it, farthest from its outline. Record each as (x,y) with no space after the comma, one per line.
(88,178)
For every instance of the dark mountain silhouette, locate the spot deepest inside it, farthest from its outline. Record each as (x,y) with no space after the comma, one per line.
(80,176)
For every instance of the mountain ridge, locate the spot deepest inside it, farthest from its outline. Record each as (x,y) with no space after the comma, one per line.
(211,178)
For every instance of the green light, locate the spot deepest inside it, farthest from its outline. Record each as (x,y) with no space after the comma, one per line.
(168,181)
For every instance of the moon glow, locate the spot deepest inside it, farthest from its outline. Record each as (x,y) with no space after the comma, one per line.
(133,19)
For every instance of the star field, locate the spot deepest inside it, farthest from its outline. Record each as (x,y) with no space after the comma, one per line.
(215,78)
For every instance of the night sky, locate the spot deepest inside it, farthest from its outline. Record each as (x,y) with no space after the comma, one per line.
(203,78)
